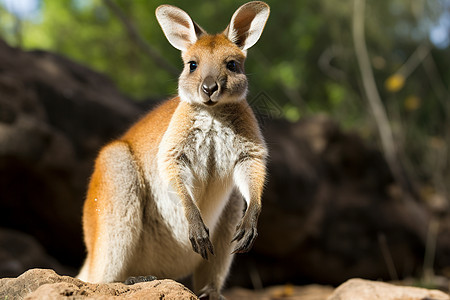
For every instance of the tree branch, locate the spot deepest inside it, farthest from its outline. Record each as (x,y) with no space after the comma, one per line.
(372,95)
(414,60)
(137,38)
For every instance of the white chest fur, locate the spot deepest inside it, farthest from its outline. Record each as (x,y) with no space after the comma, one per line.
(204,157)
(210,147)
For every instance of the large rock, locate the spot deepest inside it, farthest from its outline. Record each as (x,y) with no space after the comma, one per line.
(46,284)
(359,289)
(54,116)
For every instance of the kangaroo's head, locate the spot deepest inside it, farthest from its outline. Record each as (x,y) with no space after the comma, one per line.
(213,64)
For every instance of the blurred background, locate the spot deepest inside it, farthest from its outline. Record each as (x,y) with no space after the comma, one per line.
(353,98)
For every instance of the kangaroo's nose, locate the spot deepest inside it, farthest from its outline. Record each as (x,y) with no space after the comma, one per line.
(209,86)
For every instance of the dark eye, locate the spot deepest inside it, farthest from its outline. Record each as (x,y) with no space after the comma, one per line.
(232,66)
(192,66)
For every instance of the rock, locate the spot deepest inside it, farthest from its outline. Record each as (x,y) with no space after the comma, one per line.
(359,289)
(54,116)
(26,283)
(46,284)
(20,252)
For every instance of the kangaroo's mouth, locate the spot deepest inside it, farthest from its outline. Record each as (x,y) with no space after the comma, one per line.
(210,103)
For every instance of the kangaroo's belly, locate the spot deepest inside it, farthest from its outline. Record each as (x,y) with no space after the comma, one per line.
(165,250)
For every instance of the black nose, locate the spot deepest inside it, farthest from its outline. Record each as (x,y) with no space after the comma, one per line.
(209,86)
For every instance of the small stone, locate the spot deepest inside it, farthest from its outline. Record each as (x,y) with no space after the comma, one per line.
(360,289)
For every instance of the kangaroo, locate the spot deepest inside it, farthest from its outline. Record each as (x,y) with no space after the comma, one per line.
(166,198)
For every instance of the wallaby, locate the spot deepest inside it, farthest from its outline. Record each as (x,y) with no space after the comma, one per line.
(173,184)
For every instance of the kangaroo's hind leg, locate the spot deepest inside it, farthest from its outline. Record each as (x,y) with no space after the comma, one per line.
(112,217)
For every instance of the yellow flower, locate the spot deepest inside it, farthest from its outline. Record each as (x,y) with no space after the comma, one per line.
(394,83)
(412,103)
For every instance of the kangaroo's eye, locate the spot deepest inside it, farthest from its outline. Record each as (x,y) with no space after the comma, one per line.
(192,66)
(232,66)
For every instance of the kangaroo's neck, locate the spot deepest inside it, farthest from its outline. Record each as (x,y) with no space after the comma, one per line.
(204,117)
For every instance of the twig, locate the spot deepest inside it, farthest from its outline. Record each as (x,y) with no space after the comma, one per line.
(414,60)
(255,277)
(430,250)
(137,38)
(387,256)
(443,94)
(372,95)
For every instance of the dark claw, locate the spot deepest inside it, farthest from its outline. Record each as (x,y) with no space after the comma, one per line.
(211,248)
(238,235)
(204,254)
(194,245)
(206,246)
(245,239)
(199,237)
(137,279)
(246,232)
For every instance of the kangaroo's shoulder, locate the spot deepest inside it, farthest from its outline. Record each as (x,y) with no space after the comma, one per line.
(146,134)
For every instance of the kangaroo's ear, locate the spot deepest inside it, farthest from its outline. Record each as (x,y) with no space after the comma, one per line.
(247,24)
(178,27)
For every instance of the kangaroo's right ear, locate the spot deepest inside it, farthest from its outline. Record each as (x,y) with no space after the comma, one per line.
(178,27)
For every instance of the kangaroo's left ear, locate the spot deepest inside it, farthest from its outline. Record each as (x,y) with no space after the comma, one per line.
(247,24)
